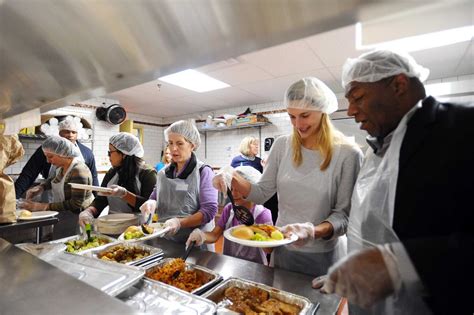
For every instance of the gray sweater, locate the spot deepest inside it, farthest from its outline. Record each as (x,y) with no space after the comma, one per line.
(307,194)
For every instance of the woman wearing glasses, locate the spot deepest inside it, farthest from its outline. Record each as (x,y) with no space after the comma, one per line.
(131,181)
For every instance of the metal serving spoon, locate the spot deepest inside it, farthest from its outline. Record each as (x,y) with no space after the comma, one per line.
(241,213)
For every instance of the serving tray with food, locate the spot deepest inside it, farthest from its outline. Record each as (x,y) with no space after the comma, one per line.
(78,244)
(143,232)
(182,275)
(128,253)
(247,297)
(258,235)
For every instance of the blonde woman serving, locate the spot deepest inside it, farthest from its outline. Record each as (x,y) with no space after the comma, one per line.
(313,171)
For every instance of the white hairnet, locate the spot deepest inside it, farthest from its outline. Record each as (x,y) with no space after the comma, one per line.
(380,64)
(61,146)
(249,173)
(70,123)
(127,144)
(187,129)
(311,94)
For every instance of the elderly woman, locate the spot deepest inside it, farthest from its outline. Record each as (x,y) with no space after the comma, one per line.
(70,168)
(248,154)
(130,179)
(184,197)
(314,170)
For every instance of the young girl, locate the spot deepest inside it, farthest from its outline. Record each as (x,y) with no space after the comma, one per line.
(261,215)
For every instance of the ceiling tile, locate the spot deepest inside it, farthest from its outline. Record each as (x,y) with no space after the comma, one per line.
(237,97)
(284,59)
(466,66)
(239,74)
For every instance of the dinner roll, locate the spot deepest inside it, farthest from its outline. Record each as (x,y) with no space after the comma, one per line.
(243,232)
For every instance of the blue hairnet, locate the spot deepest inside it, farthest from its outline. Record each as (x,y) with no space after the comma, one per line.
(60,146)
(311,94)
(187,129)
(380,64)
(127,144)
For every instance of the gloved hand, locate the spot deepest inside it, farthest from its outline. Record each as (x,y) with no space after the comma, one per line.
(34,206)
(304,232)
(362,277)
(87,216)
(34,191)
(318,282)
(223,179)
(147,208)
(198,236)
(117,191)
(174,225)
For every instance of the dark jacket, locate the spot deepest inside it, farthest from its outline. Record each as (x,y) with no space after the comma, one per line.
(147,178)
(38,164)
(433,205)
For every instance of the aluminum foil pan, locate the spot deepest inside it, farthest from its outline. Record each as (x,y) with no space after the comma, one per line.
(152,297)
(110,240)
(108,277)
(212,276)
(217,295)
(154,253)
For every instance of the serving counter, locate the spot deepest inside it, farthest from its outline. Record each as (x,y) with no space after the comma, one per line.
(32,286)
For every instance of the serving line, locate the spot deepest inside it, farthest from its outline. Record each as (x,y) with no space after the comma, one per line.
(227,267)
(30,224)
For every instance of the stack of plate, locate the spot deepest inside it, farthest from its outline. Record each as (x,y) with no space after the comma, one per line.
(116,223)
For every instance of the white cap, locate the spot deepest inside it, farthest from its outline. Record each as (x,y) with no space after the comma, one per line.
(380,64)
(187,129)
(249,173)
(127,144)
(60,146)
(312,94)
(70,123)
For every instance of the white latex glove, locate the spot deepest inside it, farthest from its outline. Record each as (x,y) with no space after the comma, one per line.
(304,232)
(198,236)
(362,277)
(174,225)
(87,216)
(147,208)
(117,191)
(34,206)
(223,179)
(34,191)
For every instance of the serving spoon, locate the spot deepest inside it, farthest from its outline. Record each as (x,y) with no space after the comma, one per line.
(184,257)
(241,213)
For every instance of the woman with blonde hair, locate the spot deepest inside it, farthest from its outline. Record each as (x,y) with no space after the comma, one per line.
(248,154)
(313,170)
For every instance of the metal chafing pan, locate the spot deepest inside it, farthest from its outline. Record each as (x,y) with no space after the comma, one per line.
(212,276)
(153,297)
(155,253)
(217,295)
(110,240)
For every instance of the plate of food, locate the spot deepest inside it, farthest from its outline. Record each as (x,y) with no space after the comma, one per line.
(35,215)
(90,187)
(143,232)
(258,235)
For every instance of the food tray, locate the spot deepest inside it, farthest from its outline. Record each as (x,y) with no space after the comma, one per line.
(105,276)
(155,253)
(216,294)
(213,276)
(77,237)
(152,297)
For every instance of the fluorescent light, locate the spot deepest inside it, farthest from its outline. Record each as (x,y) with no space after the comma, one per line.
(419,42)
(194,81)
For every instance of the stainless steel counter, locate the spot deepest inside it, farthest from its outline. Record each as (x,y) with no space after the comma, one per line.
(233,267)
(32,286)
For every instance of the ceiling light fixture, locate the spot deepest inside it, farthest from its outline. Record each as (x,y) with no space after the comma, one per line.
(194,81)
(419,42)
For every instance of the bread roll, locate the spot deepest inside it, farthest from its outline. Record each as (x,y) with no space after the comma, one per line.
(243,232)
(25,214)
(133,229)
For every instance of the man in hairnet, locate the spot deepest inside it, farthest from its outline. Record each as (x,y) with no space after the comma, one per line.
(37,163)
(411,223)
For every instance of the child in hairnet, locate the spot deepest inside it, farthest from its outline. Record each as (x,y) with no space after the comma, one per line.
(228,220)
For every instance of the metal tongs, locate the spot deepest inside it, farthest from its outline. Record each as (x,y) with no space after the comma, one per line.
(184,257)
(241,213)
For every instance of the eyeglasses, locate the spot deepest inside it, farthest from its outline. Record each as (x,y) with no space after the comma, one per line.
(109,153)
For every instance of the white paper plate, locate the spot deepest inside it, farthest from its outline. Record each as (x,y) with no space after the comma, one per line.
(90,187)
(262,244)
(37,215)
(159,231)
